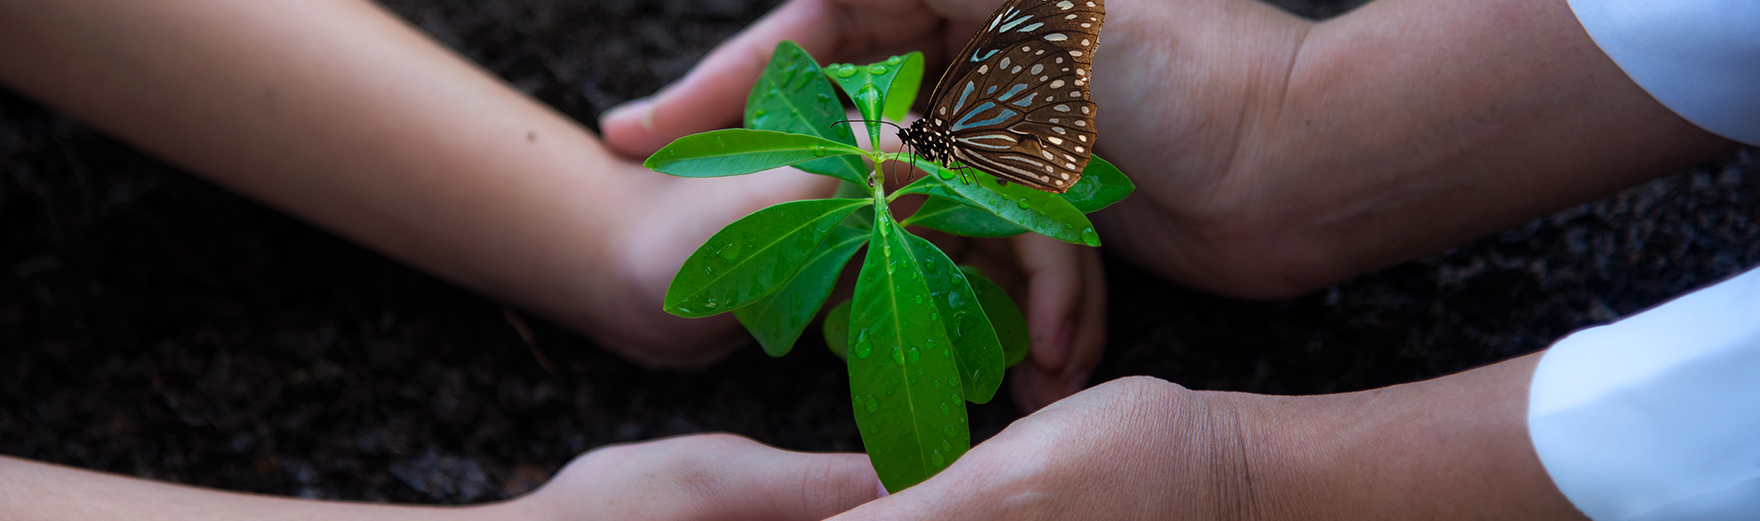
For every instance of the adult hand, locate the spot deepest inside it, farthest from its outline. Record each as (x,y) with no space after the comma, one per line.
(699,477)
(1273,154)
(1141,448)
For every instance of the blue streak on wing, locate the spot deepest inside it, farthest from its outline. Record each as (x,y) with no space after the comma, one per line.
(1016,89)
(962,124)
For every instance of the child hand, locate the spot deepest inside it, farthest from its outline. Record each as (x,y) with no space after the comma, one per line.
(1062,291)
(700,477)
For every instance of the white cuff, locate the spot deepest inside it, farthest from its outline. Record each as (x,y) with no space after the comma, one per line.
(1700,58)
(1657,417)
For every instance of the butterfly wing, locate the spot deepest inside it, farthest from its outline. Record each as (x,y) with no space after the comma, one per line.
(1017,104)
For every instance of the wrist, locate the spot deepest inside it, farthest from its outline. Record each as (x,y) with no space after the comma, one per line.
(1455,447)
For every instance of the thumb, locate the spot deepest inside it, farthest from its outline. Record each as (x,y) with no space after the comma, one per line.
(713,94)
(781,485)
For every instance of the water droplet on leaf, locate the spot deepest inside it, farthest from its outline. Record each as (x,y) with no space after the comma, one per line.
(1090,238)
(898,355)
(876,69)
(1022,203)
(937,459)
(895,60)
(873,405)
(846,71)
(818,150)
(916,355)
(946,446)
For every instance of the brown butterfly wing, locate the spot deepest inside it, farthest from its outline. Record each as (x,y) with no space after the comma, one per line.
(1017,106)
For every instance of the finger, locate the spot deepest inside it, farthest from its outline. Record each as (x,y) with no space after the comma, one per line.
(781,485)
(1066,318)
(722,477)
(713,94)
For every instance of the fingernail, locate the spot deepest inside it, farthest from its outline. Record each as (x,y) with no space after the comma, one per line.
(644,104)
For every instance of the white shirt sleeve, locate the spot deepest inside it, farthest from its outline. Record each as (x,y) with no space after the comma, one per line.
(1657,417)
(1700,58)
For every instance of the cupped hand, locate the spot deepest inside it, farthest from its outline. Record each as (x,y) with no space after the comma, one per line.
(1061,289)
(1135,448)
(712,94)
(702,477)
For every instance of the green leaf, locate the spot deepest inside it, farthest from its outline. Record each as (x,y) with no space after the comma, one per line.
(911,412)
(976,350)
(736,151)
(876,88)
(836,329)
(866,219)
(791,96)
(1100,186)
(754,256)
(955,217)
(1040,212)
(904,87)
(778,320)
(1005,316)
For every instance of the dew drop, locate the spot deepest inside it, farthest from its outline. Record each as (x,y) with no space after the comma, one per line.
(671,153)
(731,252)
(1022,203)
(719,142)
(890,266)
(937,459)
(895,60)
(898,355)
(919,299)
(887,249)
(944,409)
(863,346)
(873,405)
(876,69)
(950,431)
(846,71)
(953,381)
(711,303)
(1090,238)
(818,150)
(934,316)
(873,430)
(916,355)
(944,173)
(946,446)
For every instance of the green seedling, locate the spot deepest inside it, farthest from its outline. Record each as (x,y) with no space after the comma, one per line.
(922,336)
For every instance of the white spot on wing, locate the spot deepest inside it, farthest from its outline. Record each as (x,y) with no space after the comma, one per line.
(1056,37)
(1066,5)
(1056,84)
(1036,68)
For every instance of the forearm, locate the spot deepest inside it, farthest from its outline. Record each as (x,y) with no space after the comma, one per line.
(1421,123)
(36,491)
(338,112)
(1455,447)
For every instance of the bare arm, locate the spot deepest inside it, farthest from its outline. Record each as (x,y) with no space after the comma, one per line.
(701,477)
(1298,153)
(1455,447)
(338,112)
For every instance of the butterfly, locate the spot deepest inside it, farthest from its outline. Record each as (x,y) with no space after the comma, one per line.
(1014,104)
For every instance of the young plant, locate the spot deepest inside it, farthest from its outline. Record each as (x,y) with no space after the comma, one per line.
(922,335)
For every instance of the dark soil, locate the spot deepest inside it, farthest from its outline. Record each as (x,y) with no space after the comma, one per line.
(156,325)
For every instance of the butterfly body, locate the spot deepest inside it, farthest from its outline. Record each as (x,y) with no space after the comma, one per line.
(1015,102)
